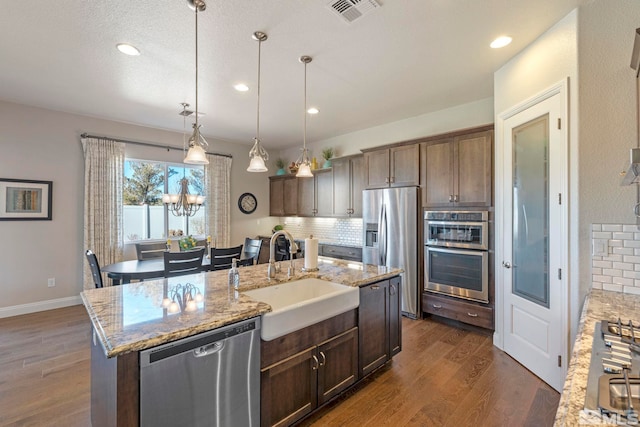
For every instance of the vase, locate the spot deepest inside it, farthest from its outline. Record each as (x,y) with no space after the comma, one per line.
(326,164)
(281,171)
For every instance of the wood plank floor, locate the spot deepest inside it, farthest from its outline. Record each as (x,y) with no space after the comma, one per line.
(444,376)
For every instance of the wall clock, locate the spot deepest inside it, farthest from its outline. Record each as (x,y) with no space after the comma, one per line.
(247,203)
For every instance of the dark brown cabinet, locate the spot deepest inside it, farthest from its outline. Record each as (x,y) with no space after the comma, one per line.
(348,183)
(350,253)
(457,171)
(315,194)
(380,324)
(454,308)
(392,167)
(283,195)
(295,386)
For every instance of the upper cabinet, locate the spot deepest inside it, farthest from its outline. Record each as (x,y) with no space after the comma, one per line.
(457,171)
(392,167)
(348,183)
(315,197)
(283,195)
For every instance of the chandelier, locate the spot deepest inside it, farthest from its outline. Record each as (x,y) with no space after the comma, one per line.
(183,203)
(197,144)
(183,298)
(258,155)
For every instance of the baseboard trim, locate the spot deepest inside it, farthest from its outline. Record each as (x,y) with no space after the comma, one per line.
(34,307)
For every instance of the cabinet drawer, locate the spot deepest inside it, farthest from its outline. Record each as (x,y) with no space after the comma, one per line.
(462,311)
(342,252)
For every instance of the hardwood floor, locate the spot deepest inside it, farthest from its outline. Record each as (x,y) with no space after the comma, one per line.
(444,376)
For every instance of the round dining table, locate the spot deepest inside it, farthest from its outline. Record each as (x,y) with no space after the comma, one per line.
(126,271)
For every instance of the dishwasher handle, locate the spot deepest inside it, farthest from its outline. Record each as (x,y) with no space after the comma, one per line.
(207,350)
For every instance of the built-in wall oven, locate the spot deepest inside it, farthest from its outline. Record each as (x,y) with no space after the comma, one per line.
(456,254)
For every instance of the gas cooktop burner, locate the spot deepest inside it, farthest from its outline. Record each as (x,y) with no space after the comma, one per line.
(628,332)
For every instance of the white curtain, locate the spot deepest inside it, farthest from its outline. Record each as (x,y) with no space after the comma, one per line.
(218,201)
(103,180)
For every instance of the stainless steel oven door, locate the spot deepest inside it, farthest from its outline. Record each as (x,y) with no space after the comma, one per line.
(457,272)
(456,234)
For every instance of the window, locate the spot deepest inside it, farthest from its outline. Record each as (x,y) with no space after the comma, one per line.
(145,216)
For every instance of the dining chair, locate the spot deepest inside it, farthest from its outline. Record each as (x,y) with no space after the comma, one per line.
(185,262)
(251,250)
(221,258)
(148,250)
(95,268)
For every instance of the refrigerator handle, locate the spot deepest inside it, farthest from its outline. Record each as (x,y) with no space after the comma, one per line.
(382,232)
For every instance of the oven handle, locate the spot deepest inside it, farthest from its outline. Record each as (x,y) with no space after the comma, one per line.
(455,251)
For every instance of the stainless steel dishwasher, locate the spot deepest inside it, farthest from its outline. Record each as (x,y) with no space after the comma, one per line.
(210,379)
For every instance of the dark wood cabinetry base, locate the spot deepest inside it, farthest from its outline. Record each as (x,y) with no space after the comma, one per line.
(454,308)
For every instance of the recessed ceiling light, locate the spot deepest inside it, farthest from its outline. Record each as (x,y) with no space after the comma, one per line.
(128,49)
(313,110)
(241,87)
(501,41)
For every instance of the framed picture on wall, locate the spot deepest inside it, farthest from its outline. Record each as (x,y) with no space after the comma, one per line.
(24,200)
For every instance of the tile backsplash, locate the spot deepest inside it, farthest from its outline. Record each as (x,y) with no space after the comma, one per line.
(615,260)
(342,231)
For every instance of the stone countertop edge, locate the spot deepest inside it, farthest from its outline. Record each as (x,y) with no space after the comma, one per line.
(598,305)
(105,306)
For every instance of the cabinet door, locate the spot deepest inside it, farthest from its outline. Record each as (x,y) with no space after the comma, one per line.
(306,196)
(341,183)
(289,389)
(290,196)
(404,165)
(395,321)
(324,193)
(373,316)
(276,197)
(357,185)
(377,168)
(472,180)
(438,163)
(338,364)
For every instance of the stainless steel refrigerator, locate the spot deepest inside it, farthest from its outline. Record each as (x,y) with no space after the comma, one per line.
(391,226)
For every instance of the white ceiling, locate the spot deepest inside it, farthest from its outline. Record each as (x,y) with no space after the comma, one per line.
(406,58)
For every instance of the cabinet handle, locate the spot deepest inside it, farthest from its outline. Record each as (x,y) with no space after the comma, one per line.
(386,180)
(393,179)
(324,359)
(392,290)
(375,287)
(472,314)
(450,198)
(455,198)
(315,363)
(437,306)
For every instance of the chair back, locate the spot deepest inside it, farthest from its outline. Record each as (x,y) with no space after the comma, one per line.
(95,268)
(252,249)
(221,258)
(148,250)
(186,262)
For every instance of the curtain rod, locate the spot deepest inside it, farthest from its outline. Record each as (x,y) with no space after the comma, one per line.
(148,144)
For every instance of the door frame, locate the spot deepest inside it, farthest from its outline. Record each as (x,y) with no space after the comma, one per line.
(560,88)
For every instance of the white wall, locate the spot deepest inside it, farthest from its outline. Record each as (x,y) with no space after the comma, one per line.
(45,145)
(463,116)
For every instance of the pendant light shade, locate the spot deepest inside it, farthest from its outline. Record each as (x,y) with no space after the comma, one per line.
(258,155)
(304,164)
(197,144)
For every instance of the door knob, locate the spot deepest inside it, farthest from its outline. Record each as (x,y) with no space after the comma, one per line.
(506,264)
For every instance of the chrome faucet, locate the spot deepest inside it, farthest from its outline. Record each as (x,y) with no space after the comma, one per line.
(293,248)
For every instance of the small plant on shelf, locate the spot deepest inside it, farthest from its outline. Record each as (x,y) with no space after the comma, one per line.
(280,164)
(327,154)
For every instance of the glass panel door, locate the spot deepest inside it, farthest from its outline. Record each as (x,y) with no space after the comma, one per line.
(531,211)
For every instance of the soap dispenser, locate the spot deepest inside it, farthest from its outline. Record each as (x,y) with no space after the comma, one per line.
(234,275)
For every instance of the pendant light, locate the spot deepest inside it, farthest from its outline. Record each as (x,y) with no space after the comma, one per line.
(183,203)
(258,155)
(197,144)
(304,164)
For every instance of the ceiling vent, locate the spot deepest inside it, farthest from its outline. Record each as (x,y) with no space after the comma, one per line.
(350,10)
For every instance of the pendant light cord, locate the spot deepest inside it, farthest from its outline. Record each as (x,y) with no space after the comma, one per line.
(304,139)
(197,66)
(258,109)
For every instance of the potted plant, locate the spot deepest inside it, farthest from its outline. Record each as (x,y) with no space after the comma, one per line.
(327,154)
(280,164)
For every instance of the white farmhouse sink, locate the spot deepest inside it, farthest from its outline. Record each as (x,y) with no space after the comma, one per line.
(302,303)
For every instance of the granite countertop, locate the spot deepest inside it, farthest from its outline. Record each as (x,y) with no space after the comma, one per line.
(131,317)
(599,305)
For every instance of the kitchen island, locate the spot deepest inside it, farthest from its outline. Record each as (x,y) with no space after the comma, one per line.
(130,318)
(599,305)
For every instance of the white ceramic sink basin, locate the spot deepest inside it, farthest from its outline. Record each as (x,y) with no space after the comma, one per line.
(302,303)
